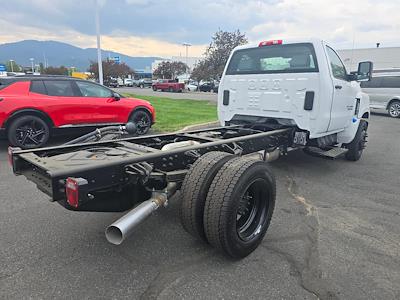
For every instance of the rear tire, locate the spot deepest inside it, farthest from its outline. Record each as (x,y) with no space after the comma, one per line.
(28,132)
(357,146)
(394,109)
(194,191)
(239,206)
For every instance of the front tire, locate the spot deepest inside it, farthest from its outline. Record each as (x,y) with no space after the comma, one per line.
(28,132)
(239,206)
(394,109)
(357,146)
(142,120)
(154,88)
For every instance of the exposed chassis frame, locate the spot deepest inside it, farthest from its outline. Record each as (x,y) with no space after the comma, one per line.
(147,164)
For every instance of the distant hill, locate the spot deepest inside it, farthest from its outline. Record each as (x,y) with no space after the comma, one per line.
(63,54)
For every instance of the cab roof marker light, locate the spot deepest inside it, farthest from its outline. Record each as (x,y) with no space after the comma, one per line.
(270,43)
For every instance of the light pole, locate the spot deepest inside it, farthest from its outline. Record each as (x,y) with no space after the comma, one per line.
(11,64)
(187,45)
(32,59)
(99,61)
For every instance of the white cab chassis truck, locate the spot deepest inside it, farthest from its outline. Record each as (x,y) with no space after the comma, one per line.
(302,84)
(274,97)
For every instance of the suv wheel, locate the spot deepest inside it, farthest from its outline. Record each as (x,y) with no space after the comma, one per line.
(142,120)
(394,109)
(28,132)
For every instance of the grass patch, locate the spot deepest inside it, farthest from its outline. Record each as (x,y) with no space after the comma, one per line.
(174,114)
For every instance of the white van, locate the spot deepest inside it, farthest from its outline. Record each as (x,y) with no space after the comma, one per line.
(384,92)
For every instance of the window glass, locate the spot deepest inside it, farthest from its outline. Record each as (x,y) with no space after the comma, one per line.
(291,58)
(89,89)
(59,88)
(391,82)
(37,86)
(375,82)
(338,69)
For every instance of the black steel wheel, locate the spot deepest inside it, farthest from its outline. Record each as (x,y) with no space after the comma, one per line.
(239,206)
(28,132)
(357,146)
(142,120)
(194,190)
(394,109)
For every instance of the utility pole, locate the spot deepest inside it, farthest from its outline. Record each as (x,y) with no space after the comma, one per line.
(11,63)
(32,59)
(187,45)
(99,61)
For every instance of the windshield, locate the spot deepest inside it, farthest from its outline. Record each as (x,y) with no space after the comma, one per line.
(291,58)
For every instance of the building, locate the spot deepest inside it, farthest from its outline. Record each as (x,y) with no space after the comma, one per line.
(387,58)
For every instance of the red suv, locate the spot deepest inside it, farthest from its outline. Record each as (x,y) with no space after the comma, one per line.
(32,108)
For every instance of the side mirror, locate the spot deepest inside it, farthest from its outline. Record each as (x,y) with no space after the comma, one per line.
(364,72)
(116,96)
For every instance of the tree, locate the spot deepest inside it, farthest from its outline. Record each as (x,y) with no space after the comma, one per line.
(62,70)
(110,69)
(167,69)
(12,66)
(201,71)
(217,54)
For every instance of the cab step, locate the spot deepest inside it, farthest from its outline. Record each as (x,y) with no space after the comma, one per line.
(331,153)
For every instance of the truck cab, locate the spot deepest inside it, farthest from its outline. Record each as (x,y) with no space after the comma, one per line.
(303,84)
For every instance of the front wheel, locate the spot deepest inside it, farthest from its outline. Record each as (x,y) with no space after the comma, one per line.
(28,132)
(142,120)
(239,206)
(154,88)
(357,146)
(394,109)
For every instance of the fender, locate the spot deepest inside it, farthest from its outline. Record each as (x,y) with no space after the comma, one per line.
(348,134)
(141,107)
(28,111)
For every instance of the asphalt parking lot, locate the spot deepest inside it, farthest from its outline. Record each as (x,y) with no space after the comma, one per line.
(185,95)
(335,234)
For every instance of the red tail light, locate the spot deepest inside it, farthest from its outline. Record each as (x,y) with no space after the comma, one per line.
(269,43)
(72,191)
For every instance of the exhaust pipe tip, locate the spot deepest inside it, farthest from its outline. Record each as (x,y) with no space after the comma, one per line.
(114,235)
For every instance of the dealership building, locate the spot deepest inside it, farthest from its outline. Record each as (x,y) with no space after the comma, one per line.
(387,58)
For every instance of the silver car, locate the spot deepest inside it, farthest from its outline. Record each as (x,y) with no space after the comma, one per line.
(384,92)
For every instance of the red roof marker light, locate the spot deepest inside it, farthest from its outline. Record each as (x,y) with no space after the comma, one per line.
(270,43)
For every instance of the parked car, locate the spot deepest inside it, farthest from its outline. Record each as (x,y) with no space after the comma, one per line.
(32,108)
(111,82)
(208,87)
(169,85)
(145,82)
(128,82)
(384,92)
(192,86)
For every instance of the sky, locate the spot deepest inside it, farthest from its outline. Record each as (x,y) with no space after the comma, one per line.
(159,27)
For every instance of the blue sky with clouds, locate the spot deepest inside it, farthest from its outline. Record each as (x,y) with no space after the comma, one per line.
(158,27)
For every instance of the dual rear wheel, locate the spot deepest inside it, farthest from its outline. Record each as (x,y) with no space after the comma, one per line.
(228,201)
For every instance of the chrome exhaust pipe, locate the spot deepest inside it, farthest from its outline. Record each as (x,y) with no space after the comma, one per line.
(118,231)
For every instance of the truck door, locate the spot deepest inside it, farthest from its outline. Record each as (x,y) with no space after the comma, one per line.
(344,95)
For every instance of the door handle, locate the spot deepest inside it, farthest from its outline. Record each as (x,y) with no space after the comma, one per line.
(338,87)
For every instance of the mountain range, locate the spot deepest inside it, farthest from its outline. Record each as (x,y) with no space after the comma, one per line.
(63,54)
